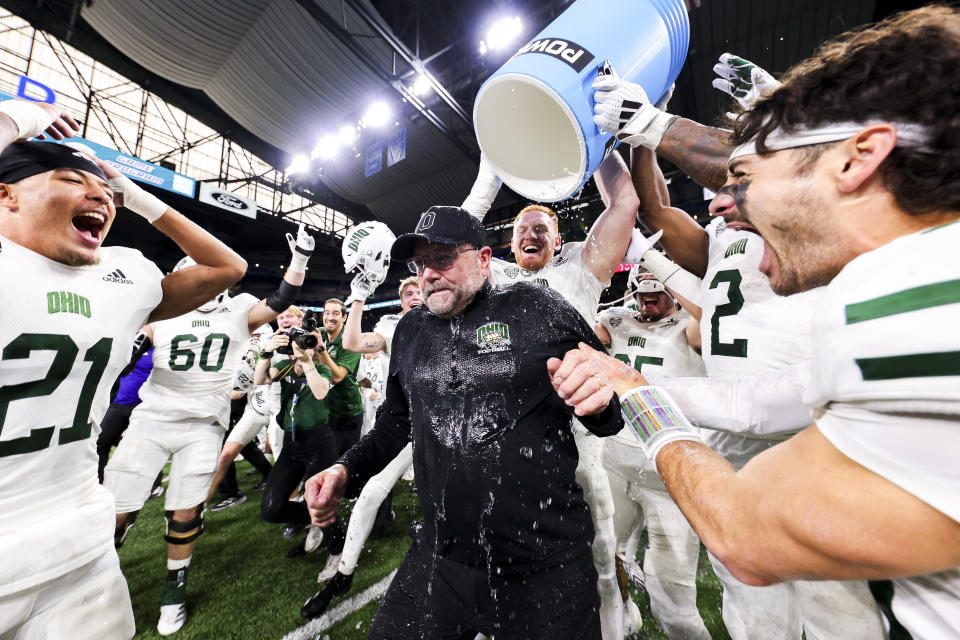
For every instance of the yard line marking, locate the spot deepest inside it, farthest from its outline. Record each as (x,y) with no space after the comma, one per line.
(310,630)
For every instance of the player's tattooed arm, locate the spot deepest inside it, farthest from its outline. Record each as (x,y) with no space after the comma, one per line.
(354,339)
(698,150)
(373,342)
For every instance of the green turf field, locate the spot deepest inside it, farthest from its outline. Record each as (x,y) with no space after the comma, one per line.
(241,585)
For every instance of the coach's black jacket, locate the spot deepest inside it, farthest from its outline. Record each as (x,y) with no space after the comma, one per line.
(493,449)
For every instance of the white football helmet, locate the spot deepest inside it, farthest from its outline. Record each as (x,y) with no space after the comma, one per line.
(636,283)
(367,249)
(210,305)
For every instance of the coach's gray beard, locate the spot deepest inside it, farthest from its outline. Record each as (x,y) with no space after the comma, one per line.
(462,295)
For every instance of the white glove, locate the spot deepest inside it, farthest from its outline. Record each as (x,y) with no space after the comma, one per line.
(129,195)
(742,79)
(362,286)
(639,245)
(484,190)
(655,419)
(301,249)
(624,110)
(31,119)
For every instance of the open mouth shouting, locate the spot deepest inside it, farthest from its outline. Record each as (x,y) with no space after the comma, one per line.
(531,248)
(649,303)
(90,225)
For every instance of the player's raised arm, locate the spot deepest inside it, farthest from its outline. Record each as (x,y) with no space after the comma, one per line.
(354,339)
(623,109)
(698,150)
(217,268)
(684,240)
(25,119)
(301,248)
(366,249)
(484,191)
(610,235)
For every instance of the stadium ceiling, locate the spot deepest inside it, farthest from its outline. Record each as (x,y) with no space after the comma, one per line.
(275,75)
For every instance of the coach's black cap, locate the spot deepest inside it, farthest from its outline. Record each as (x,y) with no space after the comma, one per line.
(24,159)
(443,225)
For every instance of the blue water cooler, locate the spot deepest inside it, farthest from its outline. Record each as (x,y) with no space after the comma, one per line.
(534,116)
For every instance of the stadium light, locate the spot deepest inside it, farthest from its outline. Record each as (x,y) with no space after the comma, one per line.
(326,147)
(300,164)
(483,48)
(502,33)
(376,115)
(422,86)
(347,134)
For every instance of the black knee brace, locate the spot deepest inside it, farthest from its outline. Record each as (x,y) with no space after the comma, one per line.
(184,532)
(120,533)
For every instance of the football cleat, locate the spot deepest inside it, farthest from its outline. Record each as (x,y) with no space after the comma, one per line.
(172,618)
(231,501)
(318,602)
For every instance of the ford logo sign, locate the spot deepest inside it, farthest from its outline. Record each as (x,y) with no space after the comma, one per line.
(228,200)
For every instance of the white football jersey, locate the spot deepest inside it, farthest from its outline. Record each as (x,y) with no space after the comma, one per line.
(653,348)
(65,334)
(194,359)
(372,370)
(886,384)
(565,273)
(386,327)
(659,348)
(746,329)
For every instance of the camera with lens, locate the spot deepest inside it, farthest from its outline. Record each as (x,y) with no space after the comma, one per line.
(302,335)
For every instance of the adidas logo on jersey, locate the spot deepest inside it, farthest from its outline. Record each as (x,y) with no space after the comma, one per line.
(118,277)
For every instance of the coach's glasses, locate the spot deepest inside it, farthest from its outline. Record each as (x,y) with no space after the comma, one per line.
(439,261)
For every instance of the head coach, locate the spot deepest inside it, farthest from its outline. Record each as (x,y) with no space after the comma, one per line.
(504,547)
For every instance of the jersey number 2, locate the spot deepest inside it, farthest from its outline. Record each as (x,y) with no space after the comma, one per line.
(737,348)
(65,350)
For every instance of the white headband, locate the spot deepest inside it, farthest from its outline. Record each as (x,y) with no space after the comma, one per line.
(908,135)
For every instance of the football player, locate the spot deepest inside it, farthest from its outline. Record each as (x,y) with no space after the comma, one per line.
(260,407)
(746,331)
(72,310)
(834,199)
(184,413)
(650,335)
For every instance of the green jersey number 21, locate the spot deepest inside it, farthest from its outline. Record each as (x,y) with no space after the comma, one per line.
(65,356)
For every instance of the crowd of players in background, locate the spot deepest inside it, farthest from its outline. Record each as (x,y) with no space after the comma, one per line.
(700,320)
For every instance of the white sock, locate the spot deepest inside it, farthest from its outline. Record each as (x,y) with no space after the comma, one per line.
(174,565)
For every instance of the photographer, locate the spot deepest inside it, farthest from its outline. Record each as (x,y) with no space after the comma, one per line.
(346,406)
(308,442)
